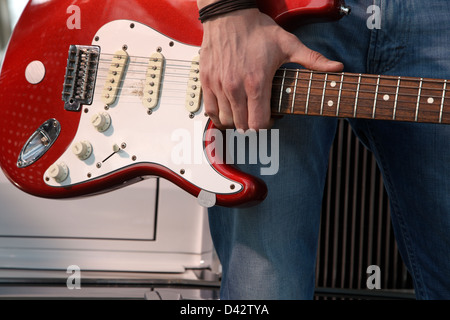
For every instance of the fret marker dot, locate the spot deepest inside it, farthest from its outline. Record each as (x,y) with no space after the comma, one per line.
(288,90)
(333,84)
(386,97)
(430,100)
(330,103)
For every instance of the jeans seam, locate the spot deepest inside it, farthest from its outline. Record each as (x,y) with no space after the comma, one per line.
(420,288)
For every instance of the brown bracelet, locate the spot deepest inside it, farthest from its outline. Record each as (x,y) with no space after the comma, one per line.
(224,6)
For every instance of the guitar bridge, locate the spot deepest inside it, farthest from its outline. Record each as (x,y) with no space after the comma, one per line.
(81,73)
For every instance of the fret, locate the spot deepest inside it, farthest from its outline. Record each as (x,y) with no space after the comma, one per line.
(366,99)
(295,92)
(441,111)
(418,100)
(340,95)
(386,98)
(323,93)
(396,98)
(348,93)
(313,93)
(309,92)
(430,101)
(407,99)
(376,98)
(355,108)
(281,90)
(284,93)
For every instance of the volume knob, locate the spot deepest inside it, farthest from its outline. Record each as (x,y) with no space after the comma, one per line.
(101,121)
(82,149)
(58,172)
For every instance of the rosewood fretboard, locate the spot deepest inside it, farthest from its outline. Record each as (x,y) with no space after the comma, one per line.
(350,95)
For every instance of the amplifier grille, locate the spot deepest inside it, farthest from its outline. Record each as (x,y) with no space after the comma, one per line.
(355,229)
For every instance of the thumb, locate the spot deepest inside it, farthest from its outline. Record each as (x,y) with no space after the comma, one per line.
(313,60)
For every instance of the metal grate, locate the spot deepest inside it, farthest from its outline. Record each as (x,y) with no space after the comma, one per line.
(356,230)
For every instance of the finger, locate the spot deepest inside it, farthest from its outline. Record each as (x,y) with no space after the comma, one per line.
(238,104)
(310,59)
(259,111)
(211,106)
(225,112)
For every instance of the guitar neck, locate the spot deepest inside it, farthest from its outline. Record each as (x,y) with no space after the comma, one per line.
(350,95)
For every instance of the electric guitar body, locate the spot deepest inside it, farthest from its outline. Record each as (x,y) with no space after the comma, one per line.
(100,94)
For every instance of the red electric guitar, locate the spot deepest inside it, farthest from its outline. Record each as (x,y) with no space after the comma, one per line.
(109,94)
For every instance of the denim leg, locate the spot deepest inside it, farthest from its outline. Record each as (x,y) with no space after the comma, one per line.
(268,251)
(415,158)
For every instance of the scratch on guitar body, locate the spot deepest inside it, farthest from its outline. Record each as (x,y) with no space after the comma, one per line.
(137,89)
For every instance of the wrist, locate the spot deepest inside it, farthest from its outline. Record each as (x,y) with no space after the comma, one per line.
(210,9)
(204,3)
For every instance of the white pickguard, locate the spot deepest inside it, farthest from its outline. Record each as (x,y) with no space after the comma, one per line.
(148,138)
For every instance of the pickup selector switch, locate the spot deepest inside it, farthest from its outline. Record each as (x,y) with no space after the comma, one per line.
(101,121)
(82,149)
(58,172)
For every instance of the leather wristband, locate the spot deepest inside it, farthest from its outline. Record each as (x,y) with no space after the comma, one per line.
(221,7)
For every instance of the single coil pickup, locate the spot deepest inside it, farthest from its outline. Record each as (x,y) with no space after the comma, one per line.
(194,90)
(114,78)
(153,81)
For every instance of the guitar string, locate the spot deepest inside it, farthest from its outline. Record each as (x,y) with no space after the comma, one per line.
(337,82)
(380,98)
(361,108)
(381,105)
(300,104)
(356,75)
(362,76)
(361,111)
(308,72)
(184,85)
(381,93)
(345,75)
(304,71)
(366,103)
(315,80)
(437,95)
(336,86)
(343,90)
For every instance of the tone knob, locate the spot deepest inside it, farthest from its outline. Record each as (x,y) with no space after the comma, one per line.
(82,149)
(58,172)
(101,121)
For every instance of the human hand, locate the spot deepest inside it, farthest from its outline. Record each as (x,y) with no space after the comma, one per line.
(240,54)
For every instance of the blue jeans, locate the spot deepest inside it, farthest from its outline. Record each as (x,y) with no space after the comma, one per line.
(269,251)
